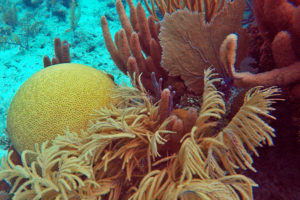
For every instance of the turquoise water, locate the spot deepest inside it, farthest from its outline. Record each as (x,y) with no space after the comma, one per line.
(28,32)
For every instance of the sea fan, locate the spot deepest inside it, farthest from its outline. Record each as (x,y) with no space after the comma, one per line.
(193,45)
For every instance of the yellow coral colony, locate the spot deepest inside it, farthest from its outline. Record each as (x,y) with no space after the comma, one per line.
(125,152)
(54,99)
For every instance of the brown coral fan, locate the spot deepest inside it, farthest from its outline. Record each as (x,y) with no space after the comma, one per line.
(137,150)
(192,45)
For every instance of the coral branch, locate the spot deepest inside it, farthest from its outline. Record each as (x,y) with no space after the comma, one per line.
(164,104)
(140,42)
(123,18)
(281,77)
(114,53)
(62,53)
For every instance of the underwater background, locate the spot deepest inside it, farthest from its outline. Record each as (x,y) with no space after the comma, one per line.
(27,32)
(28,29)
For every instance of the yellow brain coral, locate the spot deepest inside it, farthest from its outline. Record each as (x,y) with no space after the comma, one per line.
(54,99)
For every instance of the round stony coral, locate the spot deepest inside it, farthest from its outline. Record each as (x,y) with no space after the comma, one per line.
(54,99)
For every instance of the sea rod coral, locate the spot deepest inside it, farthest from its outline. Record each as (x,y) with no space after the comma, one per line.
(140,150)
(278,25)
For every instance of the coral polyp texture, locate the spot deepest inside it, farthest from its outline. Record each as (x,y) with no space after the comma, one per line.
(54,99)
(140,150)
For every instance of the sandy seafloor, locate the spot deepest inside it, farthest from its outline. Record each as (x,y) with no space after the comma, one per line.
(86,46)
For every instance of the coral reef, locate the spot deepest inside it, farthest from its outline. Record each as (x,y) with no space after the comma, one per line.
(147,147)
(140,150)
(228,56)
(137,38)
(201,44)
(179,54)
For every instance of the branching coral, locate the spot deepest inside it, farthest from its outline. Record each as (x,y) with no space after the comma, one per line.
(137,49)
(129,151)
